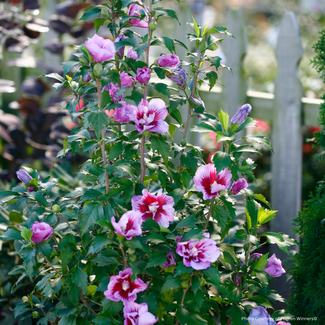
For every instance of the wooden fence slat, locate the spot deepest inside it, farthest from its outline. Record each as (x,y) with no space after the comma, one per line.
(287,134)
(234,94)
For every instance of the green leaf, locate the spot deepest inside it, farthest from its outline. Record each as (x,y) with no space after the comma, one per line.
(161,88)
(92,212)
(11,234)
(171,282)
(252,209)
(91,194)
(169,43)
(39,197)
(157,259)
(220,214)
(221,160)
(212,76)
(156,238)
(15,216)
(41,284)
(161,145)
(265,216)
(26,233)
(98,120)
(175,114)
(221,137)
(99,243)
(261,198)
(281,240)
(238,316)
(177,194)
(55,76)
(8,195)
(224,119)
(91,13)
(68,65)
(102,260)
(197,320)
(188,222)
(189,161)
(261,262)
(115,150)
(79,277)
(196,28)
(169,12)
(98,22)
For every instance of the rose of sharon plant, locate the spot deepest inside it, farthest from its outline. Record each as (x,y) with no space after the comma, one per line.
(141,240)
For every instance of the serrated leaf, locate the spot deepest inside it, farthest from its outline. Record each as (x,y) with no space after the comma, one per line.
(224,119)
(79,277)
(98,120)
(26,233)
(212,76)
(188,222)
(99,243)
(39,197)
(11,234)
(157,259)
(161,145)
(115,150)
(265,216)
(171,282)
(92,212)
(220,214)
(221,160)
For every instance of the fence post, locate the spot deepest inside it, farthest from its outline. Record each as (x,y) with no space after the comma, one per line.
(234,93)
(286,137)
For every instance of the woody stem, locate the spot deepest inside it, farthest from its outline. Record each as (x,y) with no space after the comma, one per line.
(209,214)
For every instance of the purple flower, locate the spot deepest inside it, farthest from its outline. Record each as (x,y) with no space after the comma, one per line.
(23,176)
(87,78)
(126,80)
(274,267)
(41,231)
(150,116)
(241,114)
(120,51)
(259,316)
(198,254)
(137,314)
(143,75)
(132,54)
(198,99)
(137,10)
(238,186)
(237,279)
(129,225)
(170,260)
(178,238)
(158,207)
(31,188)
(101,49)
(255,255)
(113,88)
(178,75)
(124,113)
(209,183)
(121,287)
(168,60)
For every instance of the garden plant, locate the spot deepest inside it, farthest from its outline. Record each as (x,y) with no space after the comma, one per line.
(152,234)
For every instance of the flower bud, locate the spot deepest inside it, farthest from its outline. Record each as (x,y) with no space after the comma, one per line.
(98,69)
(25,299)
(55,208)
(184,284)
(152,26)
(31,188)
(105,13)
(241,114)
(74,85)
(237,279)
(132,258)
(36,314)
(131,251)
(238,186)
(23,176)
(222,193)
(183,142)
(147,133)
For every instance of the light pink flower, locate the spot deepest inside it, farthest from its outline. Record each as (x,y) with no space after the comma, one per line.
(120,51)
(132,54)
(209,183)
(124,113)
(137,9)
(129,225)
(168,60)
(126,80)
(101,49)
(238,186)
(170,260)
(206,234)
(41,231)
(143,75)
(150,116)
(113,88)
(255,255)
(198,254)
(274,267)
(137,314)
(283,323)
(158,207)
(121,288)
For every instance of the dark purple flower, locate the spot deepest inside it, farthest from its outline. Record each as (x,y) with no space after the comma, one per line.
(255,255)
(170,260)
(124,113)
(143,75)
(158,207)
(101,49)
(241,114)
(121,287)
(31,188)
(129,225)
(41,231)
(120,51)
(132,54)
(259,316)
(274,267)
(168,60)
(150,116)
(23,176)
(238,186)
(113,89)
(198,254)
(137,314)
(178,75)
(87,78)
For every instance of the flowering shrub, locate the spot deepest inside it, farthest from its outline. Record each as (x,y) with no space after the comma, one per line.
(145,238)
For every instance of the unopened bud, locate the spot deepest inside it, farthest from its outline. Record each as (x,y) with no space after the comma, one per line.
(131,251)
(184,284)
(74,85)
(36,314)
(25,299)
(222,193)
(132,258)
(183,142)
(55,208)
(105,13)
(152,26)
(147,133)
(98,69)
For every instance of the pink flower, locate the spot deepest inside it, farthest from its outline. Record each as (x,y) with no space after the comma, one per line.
(41,231)
(255,255)
(124,113)
(283,323)
(132,54)
(137,314)
(206,234)
(158,207)
(150,116)
(101,49)
(129,225)
(198,254)
(170,260)
(126,80)
(113,89)
(168,60)
(80,106)
(209,183)
(143,75)
(138,10)
(274,267)
(121,288)
(109,112)
(120,51)
(238,186)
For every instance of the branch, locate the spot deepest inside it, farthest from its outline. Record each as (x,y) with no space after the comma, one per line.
(209,214)
(143,140)
(86,304)
(183,297)
(124,257)
(50,264)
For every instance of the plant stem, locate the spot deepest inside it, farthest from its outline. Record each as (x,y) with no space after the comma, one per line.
(148,47)
(124,257)
(183,297)
(86,304)
(143,140)
(58,215)
(247,254)
(50,264)
(45,315)
(54,238)
(209,214)
(102,146)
